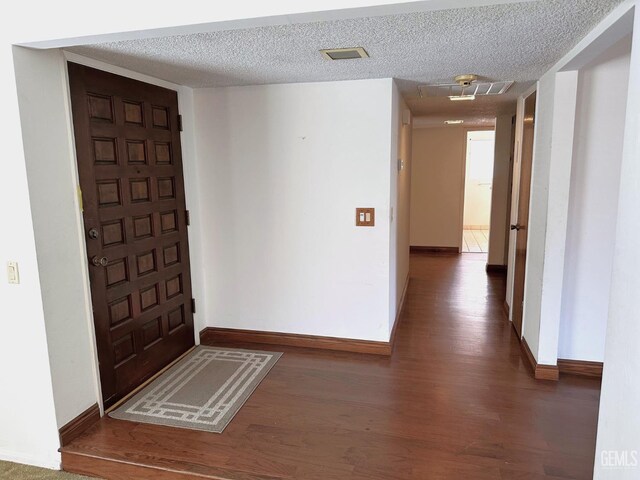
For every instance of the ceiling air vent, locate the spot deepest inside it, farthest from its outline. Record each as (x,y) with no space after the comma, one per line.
(344,53)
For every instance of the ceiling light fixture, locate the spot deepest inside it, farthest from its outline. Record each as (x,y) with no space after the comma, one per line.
(454,122)
(466,87)
(465,82)
(344,53)
(458,98)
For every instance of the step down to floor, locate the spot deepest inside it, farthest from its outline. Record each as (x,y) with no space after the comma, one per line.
(83,463)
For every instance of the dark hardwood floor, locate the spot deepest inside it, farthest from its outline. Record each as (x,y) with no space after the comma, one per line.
(456,400)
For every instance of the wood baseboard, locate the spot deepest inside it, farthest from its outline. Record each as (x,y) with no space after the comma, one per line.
(540,372)
(79,425)
(527,353)
(213,335)
(441,250)
(580,367)
(506,309)
(392,339)
(547,372)
(491,268)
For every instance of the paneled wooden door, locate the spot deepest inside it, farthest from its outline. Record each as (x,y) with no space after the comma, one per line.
(521,227)
(130,166)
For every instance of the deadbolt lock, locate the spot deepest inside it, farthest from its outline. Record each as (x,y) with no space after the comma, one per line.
(93,233)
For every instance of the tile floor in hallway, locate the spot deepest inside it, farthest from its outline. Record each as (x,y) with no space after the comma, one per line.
(475,241)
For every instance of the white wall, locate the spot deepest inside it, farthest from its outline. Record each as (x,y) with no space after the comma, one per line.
(565,85)
(437,184)
(51,168)
(28,429)
(393,202)
(478,178)
(500,206)
(27,416)
(438,206)
(402,209)
(593,204)
(548,206)
(553,146)
(59,233)
(538,211)
(281,170)
(619,422)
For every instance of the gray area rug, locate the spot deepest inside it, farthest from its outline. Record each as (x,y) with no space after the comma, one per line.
(203,391)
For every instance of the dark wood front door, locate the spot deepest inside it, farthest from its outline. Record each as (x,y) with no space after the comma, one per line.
(521,227)
(130,166)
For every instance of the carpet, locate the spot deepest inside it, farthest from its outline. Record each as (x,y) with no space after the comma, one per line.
(203,391)
(16,471)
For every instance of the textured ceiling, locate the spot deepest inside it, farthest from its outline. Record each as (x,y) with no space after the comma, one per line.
(517,41)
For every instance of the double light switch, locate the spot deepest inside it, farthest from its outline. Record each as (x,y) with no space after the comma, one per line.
(365,217)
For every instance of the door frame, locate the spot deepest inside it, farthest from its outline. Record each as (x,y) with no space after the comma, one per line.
(523,218)
(515,198)
(463,174)
(185,101)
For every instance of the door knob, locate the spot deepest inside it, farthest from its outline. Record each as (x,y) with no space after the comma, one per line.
(93,233)
(517,227)
(99,261)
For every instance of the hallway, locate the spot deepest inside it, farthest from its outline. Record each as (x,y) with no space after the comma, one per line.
(454,401)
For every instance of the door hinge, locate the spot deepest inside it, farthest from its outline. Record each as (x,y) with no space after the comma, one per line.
(193,305)
(180,122)
(187,217)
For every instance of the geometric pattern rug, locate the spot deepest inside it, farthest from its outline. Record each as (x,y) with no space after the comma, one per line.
(203,391)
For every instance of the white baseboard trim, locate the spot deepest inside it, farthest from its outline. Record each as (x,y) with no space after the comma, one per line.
(52,463)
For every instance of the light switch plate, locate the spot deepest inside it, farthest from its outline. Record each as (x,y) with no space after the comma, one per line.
(12,272)
(365,217)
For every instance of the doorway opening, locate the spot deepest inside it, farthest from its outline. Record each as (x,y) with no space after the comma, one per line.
(477,191)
